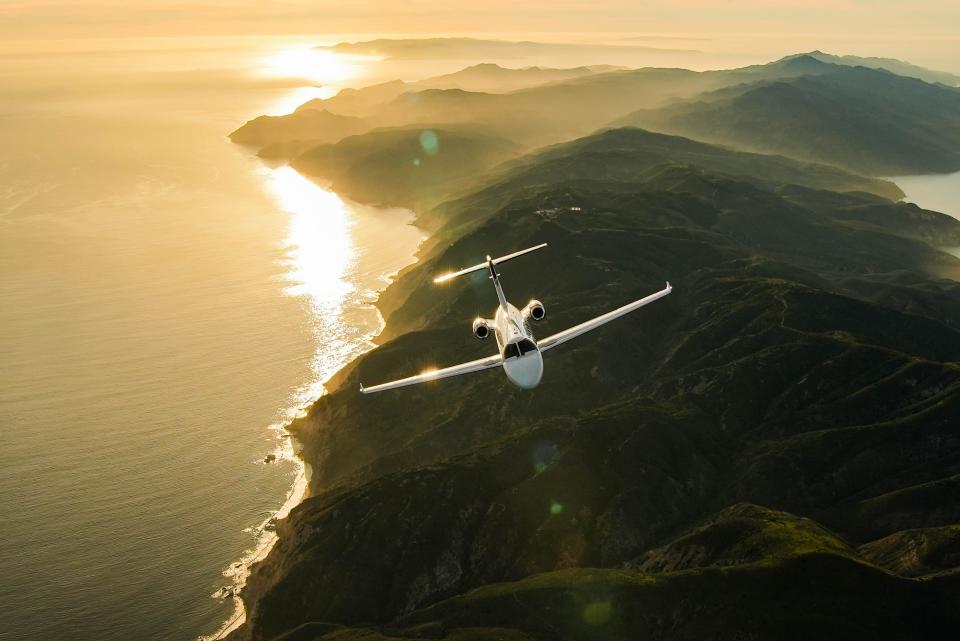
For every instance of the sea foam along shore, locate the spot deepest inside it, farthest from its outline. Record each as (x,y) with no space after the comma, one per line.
(288,449)
(266,537)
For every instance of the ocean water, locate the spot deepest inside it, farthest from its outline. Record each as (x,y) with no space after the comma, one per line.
(165,299)
(939,192)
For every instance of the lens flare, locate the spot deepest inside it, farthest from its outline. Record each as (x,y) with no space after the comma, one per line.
(429,142)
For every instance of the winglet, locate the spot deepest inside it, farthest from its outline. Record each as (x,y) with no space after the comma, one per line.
(362,391)
(669,289)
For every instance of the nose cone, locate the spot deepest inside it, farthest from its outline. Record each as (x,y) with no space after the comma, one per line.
(525,371)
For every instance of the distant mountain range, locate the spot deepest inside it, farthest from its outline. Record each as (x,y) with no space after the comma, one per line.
(892,65)
(868,120)
(479,48)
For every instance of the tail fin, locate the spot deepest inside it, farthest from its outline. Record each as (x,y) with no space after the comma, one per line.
(486,265)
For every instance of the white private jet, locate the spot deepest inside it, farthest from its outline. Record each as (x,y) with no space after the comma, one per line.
(520,353)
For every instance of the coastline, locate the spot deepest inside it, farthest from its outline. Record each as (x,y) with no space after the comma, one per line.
(290,450)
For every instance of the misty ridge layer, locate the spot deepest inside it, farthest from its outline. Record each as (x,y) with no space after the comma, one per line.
(771,452)
(871,121)
(813,107)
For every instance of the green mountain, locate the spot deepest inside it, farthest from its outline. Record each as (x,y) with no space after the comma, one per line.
(390,166)
(728,463)
(412,167)
(869,120)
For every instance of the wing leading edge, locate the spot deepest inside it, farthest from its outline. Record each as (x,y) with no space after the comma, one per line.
(456,370)
(562,337)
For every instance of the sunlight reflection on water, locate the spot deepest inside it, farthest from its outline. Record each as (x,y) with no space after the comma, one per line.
(320,253)
(320,248)
(337,256)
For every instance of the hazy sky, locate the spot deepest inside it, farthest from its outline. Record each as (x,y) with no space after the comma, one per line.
(924,29)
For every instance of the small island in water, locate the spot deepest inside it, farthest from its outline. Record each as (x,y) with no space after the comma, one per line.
(771,452)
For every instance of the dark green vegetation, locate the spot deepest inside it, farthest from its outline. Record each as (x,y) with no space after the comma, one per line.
(771,452)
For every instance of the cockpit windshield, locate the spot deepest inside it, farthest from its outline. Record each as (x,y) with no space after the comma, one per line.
(518,349)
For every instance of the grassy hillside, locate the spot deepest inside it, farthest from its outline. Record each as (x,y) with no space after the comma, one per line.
(919,552)
(741,534)
(808,361)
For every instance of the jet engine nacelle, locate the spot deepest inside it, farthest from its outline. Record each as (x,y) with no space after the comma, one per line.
(535,310)
(481,328)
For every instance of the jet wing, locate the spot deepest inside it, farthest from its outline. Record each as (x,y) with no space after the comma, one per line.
(456,370)
(583,328)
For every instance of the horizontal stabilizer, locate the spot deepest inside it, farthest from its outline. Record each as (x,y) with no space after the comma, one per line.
(495,261)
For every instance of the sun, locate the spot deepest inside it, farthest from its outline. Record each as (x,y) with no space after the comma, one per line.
(309,63)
